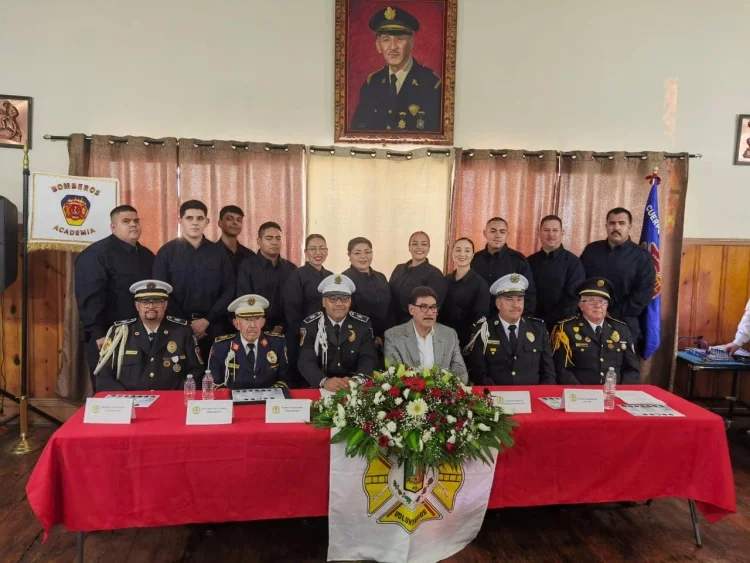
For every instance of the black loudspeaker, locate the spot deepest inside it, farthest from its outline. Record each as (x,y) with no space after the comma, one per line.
(8,243)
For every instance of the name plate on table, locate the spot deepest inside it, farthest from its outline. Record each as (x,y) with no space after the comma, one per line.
(289,410)
(583,400)
(209,412)
(513,402)
(109,410)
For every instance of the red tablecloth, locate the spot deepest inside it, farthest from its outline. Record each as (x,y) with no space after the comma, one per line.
(157,471)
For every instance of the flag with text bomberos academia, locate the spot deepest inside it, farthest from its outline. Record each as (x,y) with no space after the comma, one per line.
(381,511)
(69,213)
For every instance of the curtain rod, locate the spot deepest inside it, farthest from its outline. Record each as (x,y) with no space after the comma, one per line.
(150,141)
(573,154)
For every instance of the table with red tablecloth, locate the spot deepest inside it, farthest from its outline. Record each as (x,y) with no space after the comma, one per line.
(157,471)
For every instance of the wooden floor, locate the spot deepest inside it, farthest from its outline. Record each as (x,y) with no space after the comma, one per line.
(659,533)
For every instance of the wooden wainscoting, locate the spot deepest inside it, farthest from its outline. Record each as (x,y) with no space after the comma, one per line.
(714,289)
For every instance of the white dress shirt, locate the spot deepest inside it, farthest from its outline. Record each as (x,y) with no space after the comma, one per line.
(507,324)
(334,323)
(743,329)
(426,350)
(593,326)
(401,74)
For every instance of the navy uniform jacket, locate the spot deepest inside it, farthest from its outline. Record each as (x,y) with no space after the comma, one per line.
(557,275)
(417,105)
(258,275)
(372,298)
(236,258)
(202,279)
(497,364)
(465,303)
(505,261)
(104,273)
(161,365)
(631,271)
(404,279)
(270,362)
(581,359)
(353,353)
(301,297)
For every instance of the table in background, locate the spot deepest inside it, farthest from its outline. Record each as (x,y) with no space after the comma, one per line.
(695,364)
(159,472)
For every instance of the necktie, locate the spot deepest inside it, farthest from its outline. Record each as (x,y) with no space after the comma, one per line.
(336,330)
(394,91)
(513,338)
(599,333)
(151,337)
(251,356)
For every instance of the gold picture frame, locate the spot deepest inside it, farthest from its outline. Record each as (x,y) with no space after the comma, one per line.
(15,121)
(362,113)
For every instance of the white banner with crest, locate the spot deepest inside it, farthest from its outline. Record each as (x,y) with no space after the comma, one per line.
(70,212)
(379,511)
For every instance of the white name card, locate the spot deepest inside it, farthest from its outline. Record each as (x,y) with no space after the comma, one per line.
(513,402)
(116,410)
(209,412)
(583,400)
(288,410)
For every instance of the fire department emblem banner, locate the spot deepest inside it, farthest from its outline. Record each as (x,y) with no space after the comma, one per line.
(69,212)
(390,514)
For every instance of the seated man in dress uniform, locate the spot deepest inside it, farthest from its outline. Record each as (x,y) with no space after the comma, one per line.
(152,352)
(336,344)
(512,350)
(250,358)
(587,345)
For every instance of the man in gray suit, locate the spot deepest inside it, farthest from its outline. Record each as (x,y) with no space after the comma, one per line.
(422,342)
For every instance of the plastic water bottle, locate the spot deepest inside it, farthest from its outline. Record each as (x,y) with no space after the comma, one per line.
(610,386)
(208,386)
(189,388)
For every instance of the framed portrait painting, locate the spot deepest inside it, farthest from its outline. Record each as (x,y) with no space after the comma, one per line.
(742,147)
(395,71)
(15,121)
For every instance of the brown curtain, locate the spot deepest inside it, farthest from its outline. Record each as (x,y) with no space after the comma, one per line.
(591,185)
(522,190)
(147,170)
(266,181)
(518,188)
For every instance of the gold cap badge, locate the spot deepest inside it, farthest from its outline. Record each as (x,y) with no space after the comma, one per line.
(390,13)
(337,280)
(251,301)
(600,283)
(515,278)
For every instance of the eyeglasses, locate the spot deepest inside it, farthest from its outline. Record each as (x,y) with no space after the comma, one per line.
(424,308)
(339,299)
(317,249)
(151,302)
(359,253)
(595,302)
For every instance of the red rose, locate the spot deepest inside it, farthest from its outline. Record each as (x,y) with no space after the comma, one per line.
(432,418)
(394,392)
(416,384)
(383,441)
(369,384)
(460,424)
(345,400)
(435,393)
(367,427)
(397,414)
(461,393)
(450,447)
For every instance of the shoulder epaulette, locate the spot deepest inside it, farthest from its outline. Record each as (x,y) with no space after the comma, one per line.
(535,319)
(359,317)
(125,322)
(561,321)
(225,337)
(369,77)
(177,321)
(480,321)
(313,317)
(271,333)
(616,320)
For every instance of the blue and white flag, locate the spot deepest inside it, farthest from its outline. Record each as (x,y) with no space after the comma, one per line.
(651,316)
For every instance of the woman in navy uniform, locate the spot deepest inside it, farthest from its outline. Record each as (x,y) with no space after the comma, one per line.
(466,293)
(249,359)
(372,297)
(416,272)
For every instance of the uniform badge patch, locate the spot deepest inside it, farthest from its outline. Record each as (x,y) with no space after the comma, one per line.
(587,339)
(166,363)
(352,336)
(616,336)
(176,368)
(414,108)
(264,342)
(530,336)
(235,346)
(578,336)
(271,357)
(171,346)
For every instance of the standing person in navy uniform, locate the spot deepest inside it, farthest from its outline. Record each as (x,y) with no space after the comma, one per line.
(250,358)
(403,95)
(414,273)
(230,223)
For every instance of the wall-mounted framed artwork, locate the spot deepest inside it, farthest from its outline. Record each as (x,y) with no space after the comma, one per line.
(15,121)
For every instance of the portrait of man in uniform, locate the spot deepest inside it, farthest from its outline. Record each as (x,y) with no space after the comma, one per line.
(395,70)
